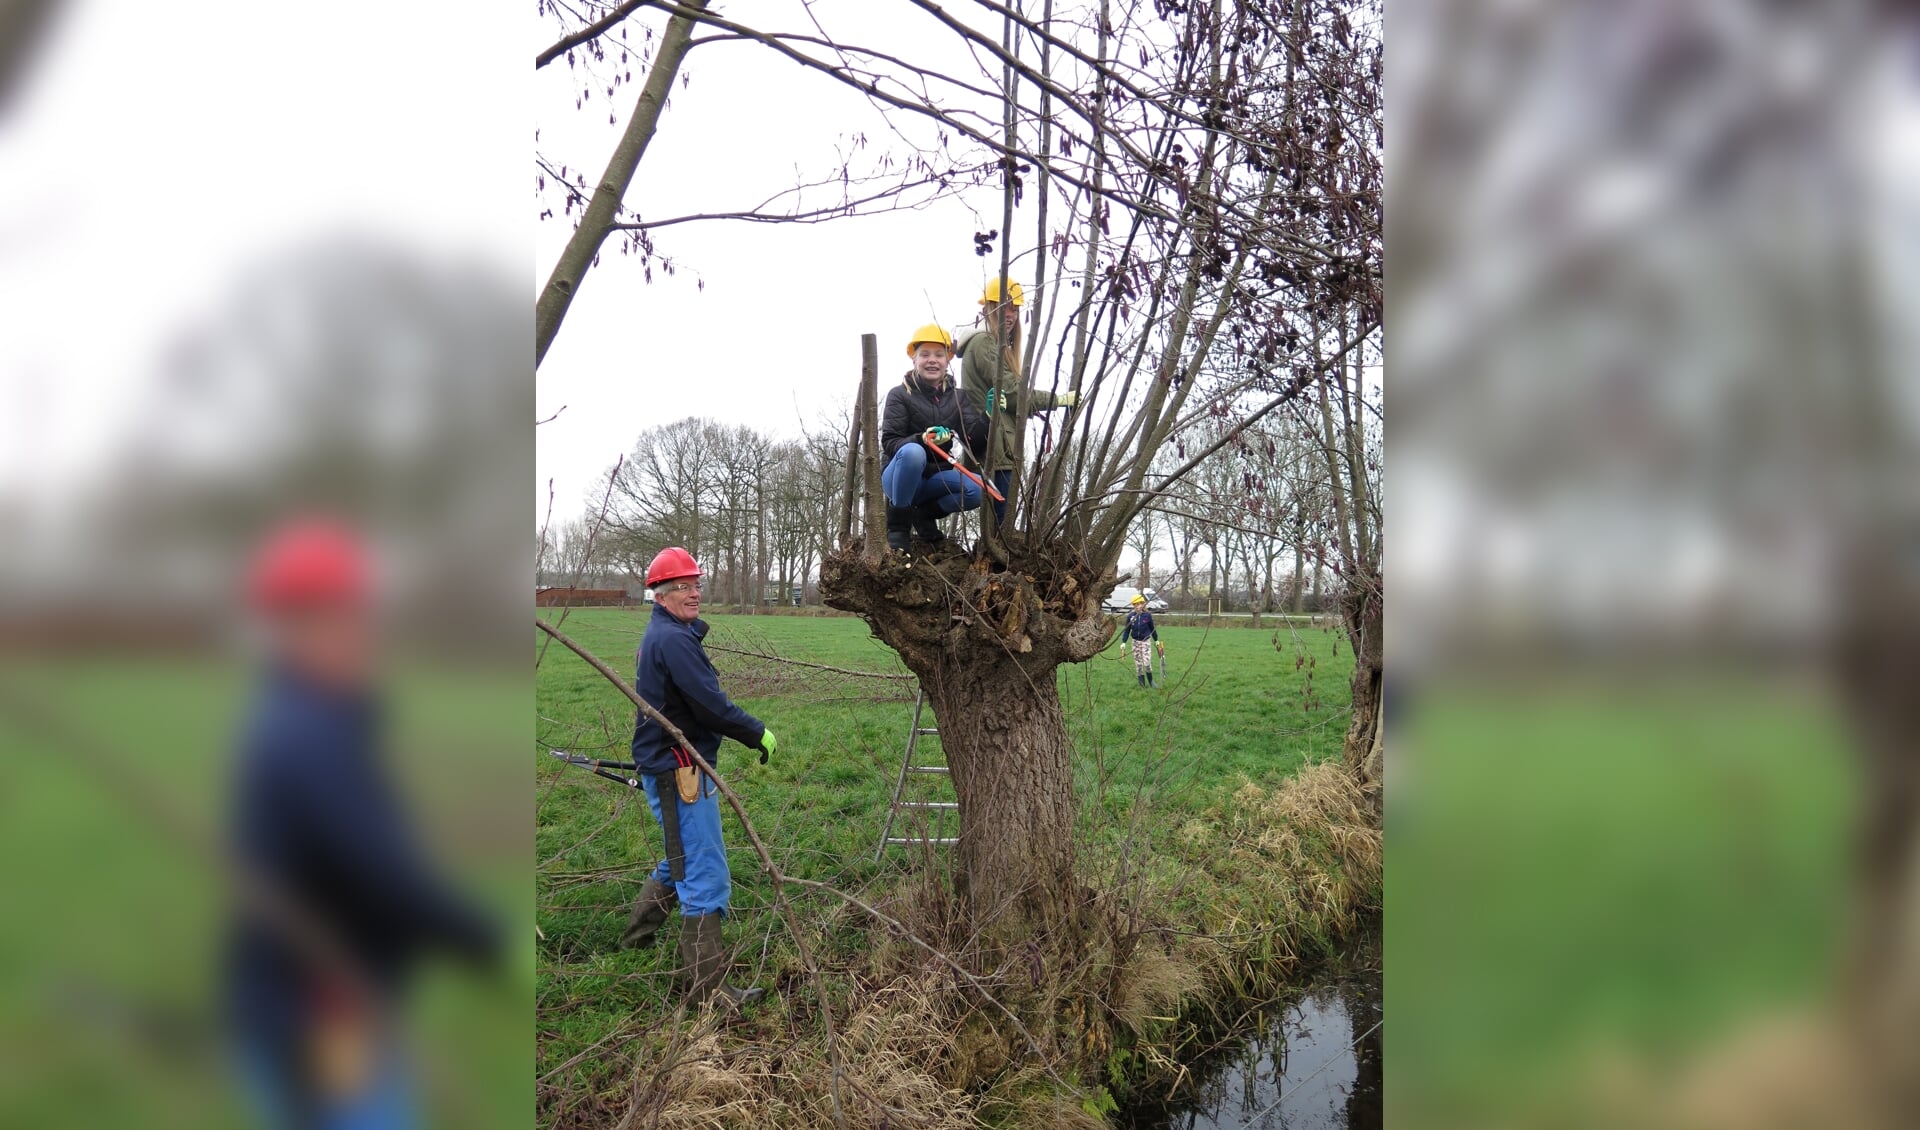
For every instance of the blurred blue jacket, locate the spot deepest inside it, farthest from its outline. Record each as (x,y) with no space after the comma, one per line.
(676,678)
(316,817)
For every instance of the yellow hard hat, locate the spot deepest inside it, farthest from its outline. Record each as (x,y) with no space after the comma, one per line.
(992,293)
(930,332)
(1138,599)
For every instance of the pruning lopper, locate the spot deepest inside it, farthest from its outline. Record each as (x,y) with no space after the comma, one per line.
(934,437)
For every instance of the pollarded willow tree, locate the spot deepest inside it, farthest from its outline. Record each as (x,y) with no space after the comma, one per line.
(1207,251)
(1195,185)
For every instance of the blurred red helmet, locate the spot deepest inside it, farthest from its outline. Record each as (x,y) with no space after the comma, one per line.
(308,563)
(671,563)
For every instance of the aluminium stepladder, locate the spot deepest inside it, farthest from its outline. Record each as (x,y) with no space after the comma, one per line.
(907,769)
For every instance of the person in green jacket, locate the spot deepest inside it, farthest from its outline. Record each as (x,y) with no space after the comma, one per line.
(991,380)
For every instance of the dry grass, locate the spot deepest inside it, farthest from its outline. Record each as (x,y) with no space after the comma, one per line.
(891,1047)
(1154,984)
(1286,870)
(1275,878)
(1289,865)
(1796,1071)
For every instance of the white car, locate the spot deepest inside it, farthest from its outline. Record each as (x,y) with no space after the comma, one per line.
(1121,600)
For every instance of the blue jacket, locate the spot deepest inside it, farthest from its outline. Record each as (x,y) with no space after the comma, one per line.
(315,816)
(676,678)
(1139,626)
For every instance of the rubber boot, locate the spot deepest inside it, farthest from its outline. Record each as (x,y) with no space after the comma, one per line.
(1139,679)
(925,523)
(650,911)
(704,962)
(899,521)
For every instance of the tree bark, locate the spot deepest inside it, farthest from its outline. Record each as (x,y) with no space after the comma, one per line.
(760,533)
(985,645)
(876,507)
(602,209)
(1362,608)
(1012,771)
(850,489)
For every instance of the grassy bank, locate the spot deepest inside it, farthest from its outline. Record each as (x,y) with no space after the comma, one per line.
(1607,874)
(1217,856)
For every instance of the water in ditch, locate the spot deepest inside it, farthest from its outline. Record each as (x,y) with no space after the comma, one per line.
(1311,1062)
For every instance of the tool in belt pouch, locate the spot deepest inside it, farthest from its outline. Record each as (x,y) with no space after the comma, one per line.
(340,1043)
(687,777)
(685,788)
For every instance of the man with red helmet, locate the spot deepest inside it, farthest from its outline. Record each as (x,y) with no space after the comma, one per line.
(676,678)
(316,821)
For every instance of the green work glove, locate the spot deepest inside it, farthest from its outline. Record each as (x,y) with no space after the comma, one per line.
(767,745)
(938,436)
(1066,399)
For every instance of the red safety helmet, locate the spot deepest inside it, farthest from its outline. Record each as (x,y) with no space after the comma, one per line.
(670,564)
(308,563)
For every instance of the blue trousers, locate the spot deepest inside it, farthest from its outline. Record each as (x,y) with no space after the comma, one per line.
(387,1103)
(708,886)
(1001,480)
(906,482)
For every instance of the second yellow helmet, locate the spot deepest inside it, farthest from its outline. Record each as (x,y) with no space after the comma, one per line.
(932,333)
(992,293)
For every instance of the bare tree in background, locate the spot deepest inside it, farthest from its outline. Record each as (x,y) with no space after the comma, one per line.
(753,508)
(1143,540)
(574,554)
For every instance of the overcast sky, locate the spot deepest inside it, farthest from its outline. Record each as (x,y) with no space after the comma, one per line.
(167,147)
(774,338)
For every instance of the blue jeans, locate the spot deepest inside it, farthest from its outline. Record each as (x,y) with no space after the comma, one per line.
(708,886)
(1001,479)
(906,482)
(387,1102)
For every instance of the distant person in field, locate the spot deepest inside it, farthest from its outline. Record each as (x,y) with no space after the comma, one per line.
(316,970)
(676,678)
(1143,637)
(995,387)
(922,411)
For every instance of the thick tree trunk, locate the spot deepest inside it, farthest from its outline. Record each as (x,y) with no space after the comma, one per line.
(1299,587)
(986,645)
(1012,772)
(1361,607)
(1876,651)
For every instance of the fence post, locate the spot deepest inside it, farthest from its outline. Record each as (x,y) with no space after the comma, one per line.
(870,428)
(853,466)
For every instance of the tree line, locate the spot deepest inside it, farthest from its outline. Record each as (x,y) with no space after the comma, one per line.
(1253,524)
(754,509)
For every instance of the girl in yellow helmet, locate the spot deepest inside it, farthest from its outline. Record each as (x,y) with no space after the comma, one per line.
(920,486)
(991,379)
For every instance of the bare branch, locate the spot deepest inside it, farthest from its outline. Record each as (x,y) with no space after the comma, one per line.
(592,31)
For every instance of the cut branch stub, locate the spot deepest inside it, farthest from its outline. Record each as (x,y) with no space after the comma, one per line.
(934,608)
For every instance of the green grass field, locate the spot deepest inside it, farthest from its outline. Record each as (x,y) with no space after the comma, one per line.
(1602,869)
(1592,866)
(1235,709)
